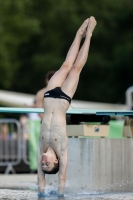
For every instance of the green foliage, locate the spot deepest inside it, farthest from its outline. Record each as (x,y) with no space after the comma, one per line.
(36,35)
(16,27)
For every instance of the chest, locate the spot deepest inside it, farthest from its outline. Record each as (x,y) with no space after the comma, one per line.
(57,142)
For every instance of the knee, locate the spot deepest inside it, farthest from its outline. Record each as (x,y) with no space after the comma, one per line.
(77,68)
(75,72)
(66,66)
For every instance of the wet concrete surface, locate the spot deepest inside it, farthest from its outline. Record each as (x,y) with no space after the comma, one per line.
(23,187)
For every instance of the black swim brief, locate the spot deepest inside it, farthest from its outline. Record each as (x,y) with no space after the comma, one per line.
(57,93)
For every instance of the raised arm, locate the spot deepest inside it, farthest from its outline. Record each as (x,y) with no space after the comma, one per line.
(41,175)
(62,172)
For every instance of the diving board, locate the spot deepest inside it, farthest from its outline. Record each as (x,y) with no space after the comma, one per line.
(115,112)
(69,111)
(41,110)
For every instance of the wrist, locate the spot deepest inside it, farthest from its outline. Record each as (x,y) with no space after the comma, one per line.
(40,190)
(61,190)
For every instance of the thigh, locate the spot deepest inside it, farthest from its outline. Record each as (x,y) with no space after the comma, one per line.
(70,84)
(57,79)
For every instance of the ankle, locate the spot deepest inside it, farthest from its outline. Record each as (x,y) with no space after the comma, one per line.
(89,34)
(79,34)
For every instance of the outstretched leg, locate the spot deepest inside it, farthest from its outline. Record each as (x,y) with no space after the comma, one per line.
(70,84)
(60,76)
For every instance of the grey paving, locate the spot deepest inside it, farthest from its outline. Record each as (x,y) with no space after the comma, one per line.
(23,187)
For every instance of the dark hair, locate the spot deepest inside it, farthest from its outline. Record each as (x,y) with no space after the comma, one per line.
(49,75)
(54,170)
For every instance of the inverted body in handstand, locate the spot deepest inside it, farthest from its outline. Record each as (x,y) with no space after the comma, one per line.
(53,139)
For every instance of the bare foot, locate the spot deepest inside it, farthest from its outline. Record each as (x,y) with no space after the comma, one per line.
(83,28)
(91,25)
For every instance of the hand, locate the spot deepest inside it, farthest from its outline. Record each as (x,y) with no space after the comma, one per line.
(56,193)
(40,190)
(43,198)
(49,194)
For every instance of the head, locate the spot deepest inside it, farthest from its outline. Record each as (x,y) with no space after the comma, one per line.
(50,163)
(48,76)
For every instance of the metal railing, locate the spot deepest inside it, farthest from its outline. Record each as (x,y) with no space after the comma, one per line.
(10,144)
(25,150)
(30,142)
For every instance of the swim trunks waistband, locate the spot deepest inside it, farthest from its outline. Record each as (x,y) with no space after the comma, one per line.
(57,93)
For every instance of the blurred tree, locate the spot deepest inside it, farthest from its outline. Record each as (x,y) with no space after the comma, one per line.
(36,35)
(16,28)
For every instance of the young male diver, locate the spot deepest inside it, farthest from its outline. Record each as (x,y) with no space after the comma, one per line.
(53,139)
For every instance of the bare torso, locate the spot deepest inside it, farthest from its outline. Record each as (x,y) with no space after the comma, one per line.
(53,129)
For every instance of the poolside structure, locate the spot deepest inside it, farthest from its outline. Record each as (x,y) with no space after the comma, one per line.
(96,161)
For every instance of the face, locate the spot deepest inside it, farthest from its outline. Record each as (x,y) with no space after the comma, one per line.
(48,161)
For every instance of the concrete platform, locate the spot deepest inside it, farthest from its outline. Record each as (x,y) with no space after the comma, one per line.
(18,181)
(18,178)
(24,187)
(101,165)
